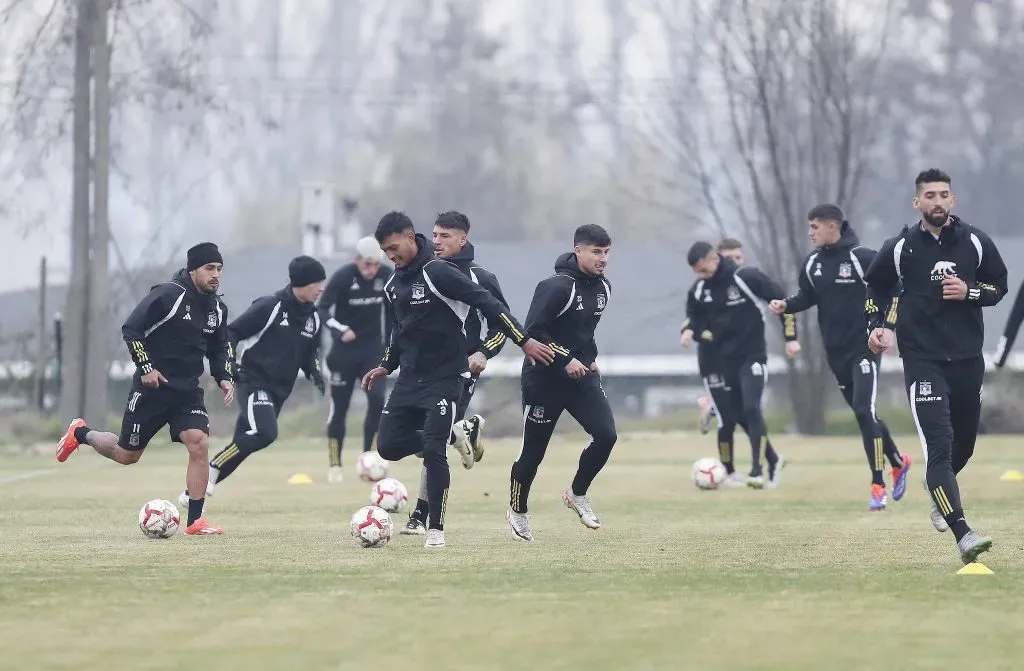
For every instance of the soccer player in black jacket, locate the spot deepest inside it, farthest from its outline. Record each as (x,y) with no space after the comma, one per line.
(832,277)
(352,307)
(564,313)
(430,298)
(483,342)
(169,333)
(949,270)
(275,338)
(725,309)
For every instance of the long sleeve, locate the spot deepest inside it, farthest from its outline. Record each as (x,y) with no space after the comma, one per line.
(805,296)
(882,280)
(253,320)
(549,299)
(312,366)
(495,338)
(219,350)
(766,289)
(392,353)
(1012,327)
(161,301)
(446,280)
(991,277)
(692,322)
(333,301)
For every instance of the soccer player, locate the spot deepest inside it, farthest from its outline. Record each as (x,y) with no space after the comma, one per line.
(168,334)
(430,299)
(832,277)
(352,306)
(725,309)
(950,270)
(275,338)
(564,313)
(483,342)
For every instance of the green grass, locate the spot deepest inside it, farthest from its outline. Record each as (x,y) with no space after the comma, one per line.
(799,578)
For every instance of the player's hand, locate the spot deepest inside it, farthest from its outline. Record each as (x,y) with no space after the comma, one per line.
(348,336)
(777,307)
(953,288)
(477,363)
(686,339)
(880,340)
(575,369)
(229,391)
(537,352)
(792,349)
(153,378)
(594,368)
(373,376)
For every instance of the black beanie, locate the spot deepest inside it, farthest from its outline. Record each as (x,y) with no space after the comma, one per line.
(203,253)
(305,270)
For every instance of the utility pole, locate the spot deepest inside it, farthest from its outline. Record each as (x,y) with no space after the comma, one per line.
(41,346)
(97,379)
(75,342)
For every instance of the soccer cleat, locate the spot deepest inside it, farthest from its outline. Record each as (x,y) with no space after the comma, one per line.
(519,523)
(972,545)
(335,475)
(202,528)
(68,443)
(755,481)
(435,538)
(581,506)
(938,521)
(475,426)
(899,478)
(183,500)
(878,498)
(462,445)
(707,413)
(414,527)
(775,473)
(734,479)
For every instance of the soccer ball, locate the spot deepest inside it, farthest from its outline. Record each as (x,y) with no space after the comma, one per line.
(371,526)
(159,519)
(389,494)
(371,467)
(708,473)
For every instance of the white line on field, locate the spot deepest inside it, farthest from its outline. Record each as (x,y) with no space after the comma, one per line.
(6,480)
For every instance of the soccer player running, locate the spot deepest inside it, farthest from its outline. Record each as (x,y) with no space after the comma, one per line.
(483,342)
(832,277)
(725,310)
(275,338)
(564,313)
(431,299)
(169,333)
(352,306)
(950,270)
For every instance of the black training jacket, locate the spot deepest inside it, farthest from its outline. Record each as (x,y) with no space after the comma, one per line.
(173,328)
(481,335)
(351,301)
(928,326)
(725,312)
(431,299)
(275,338)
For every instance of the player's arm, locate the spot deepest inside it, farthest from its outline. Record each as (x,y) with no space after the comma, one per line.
(549,301)
(157,305)
(392,354)
(389,316)
(333,303)
(312,366)
(1012,327)
(805,297)
(991,276)
(252,321)
(495,338)
(767,289)
(881,301)
(448,281)
(219,350)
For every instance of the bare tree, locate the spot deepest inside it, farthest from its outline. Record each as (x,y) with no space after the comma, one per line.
(783,112)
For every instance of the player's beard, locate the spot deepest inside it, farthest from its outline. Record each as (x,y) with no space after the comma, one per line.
(937,220)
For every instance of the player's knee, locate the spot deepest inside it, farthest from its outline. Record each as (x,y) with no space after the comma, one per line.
(605,436)
(127,458)
(196,441)
(865,418)
(752,412)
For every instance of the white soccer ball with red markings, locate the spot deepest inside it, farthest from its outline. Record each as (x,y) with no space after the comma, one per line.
(708,473)
(371,467)
(159,519)
(389,494)
(372,526)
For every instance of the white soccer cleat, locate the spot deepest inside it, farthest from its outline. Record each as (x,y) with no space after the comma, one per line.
(183,501)
(775,474)
(435,538)
(475,429)
(335,475)
(938,521)
(734,480)
(707,413)
(581,506)
(519,523)
(462,445)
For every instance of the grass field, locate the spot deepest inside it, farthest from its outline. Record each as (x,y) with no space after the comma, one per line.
(799,578)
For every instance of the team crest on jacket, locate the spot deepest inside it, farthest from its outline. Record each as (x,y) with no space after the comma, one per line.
(845,269)
(418,292)
(733,294)
(600,301)
(310,325)
(378,285)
